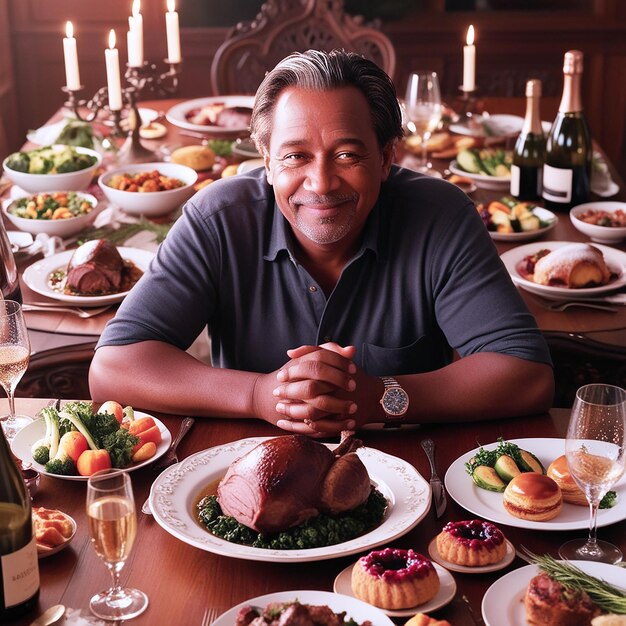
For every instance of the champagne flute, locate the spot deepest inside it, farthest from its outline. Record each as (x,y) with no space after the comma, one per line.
(595,448)
(423,109)
(112,528)
(14,357)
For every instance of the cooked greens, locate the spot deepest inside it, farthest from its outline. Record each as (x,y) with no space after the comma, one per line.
(56,159)
(317,532)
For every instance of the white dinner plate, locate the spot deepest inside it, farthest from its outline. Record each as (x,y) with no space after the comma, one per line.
(26,437)
(177,114)
(488,504)
(503,603)
(174,493)
(481,180)
(615,260)
(36,276)
(447,589)
(43,553)
(500,125)
(541,213)
(506,560)
(355,609)
(249,165)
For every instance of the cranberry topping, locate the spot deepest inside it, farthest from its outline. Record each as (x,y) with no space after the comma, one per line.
(395,565)
(475,533)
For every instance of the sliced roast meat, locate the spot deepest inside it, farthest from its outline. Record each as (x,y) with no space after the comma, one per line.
(95,268)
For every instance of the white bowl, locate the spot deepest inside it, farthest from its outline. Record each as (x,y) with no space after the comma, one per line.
(154,203)
(61,228)
(69,181)
(601,234)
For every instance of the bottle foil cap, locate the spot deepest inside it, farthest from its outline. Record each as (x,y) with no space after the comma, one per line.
(533,88)
(573,62)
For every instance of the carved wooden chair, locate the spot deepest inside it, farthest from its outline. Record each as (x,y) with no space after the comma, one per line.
(284,26)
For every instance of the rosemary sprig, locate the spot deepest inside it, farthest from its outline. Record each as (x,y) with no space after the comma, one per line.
(125,231)
(606,596)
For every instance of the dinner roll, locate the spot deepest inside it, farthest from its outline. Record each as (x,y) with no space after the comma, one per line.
(198,158)
(559,472)
(534,497)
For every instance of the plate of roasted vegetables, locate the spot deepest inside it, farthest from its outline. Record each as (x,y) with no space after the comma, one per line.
(77,440)
(489,168)
(508,219)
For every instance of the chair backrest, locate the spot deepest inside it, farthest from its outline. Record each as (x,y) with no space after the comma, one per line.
(284,26)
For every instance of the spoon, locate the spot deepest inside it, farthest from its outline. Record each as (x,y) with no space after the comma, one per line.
(50,616)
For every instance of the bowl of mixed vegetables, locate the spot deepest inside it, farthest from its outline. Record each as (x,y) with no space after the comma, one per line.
(52,168)
(56,213)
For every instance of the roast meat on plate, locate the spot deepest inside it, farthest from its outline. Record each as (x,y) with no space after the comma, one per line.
(95,268)
(286,480)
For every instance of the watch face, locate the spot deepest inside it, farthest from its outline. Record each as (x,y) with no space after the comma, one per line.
(395,401)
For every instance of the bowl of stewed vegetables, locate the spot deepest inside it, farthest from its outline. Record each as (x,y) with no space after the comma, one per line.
(52,168)
(602,221)
(150,189)
(55,213)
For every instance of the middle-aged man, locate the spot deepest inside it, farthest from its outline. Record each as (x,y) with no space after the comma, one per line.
(335,286)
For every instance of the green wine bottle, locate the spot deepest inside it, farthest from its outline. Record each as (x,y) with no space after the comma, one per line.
(530,149)
(19,571)
(567,170)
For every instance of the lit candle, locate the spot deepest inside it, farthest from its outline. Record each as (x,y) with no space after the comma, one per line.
(173,33)
(70,54)
(469,62)
(114,84)
(135,36)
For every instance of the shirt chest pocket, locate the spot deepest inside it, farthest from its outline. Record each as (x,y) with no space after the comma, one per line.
(423,355)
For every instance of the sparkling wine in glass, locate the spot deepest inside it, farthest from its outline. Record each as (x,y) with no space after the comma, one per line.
(423,110)
(112,528)
(595,448)
(14,357)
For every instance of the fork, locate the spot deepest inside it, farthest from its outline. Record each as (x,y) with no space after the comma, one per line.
(562,306)
(84,313)
(170,457)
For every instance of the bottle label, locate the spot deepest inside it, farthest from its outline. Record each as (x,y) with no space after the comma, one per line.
(557,184)
(20,574)
(515,178)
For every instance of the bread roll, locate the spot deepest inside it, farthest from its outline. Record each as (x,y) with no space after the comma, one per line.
(421,619)
(534,497)
(198,158)
(559,472)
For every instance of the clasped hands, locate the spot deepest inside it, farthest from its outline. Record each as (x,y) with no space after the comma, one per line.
(319,391)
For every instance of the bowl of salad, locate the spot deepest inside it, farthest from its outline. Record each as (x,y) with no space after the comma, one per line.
(603,221)
(52,168)
(55,213)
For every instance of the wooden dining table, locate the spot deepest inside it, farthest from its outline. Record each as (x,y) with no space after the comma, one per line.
(192,587)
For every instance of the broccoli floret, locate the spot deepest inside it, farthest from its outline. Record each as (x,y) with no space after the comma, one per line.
(119,445)
(63,467)
(609,500)
(41,455)
(19,161)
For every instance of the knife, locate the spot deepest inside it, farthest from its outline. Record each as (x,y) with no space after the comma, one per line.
(439,493)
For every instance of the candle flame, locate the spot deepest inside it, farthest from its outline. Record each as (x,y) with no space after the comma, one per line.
(470,36)
(171,5)
(112,39)
(136,7)
(69,30)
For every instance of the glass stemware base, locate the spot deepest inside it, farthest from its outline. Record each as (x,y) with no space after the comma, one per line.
(600,551)
(11,425)
(118,604)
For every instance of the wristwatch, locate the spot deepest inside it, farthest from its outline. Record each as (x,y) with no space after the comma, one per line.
(395,400)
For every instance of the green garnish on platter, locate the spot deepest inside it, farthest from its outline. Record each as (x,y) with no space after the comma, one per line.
(606,596)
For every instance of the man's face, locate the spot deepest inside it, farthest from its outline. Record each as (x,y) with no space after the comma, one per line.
(325,164)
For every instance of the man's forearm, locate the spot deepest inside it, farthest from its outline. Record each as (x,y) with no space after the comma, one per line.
(158,376)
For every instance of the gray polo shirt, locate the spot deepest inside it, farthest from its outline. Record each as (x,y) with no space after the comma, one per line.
(427,278)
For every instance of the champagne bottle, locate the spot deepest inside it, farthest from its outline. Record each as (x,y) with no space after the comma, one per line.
(529,153)
(19,569)
(567,170)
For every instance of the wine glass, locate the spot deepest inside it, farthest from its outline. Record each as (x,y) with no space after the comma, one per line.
(595,448)
(14,357)
(112,528)
(423,110)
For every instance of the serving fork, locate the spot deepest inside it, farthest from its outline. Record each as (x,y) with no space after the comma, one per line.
(170,457)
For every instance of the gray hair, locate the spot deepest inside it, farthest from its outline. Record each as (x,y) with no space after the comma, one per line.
(324,71)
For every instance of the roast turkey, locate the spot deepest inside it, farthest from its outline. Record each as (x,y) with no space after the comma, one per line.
(95,268)
(286,480)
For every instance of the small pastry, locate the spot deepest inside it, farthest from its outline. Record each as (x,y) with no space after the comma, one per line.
(575,265)
(534,497)
(572,493)
(471,543)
